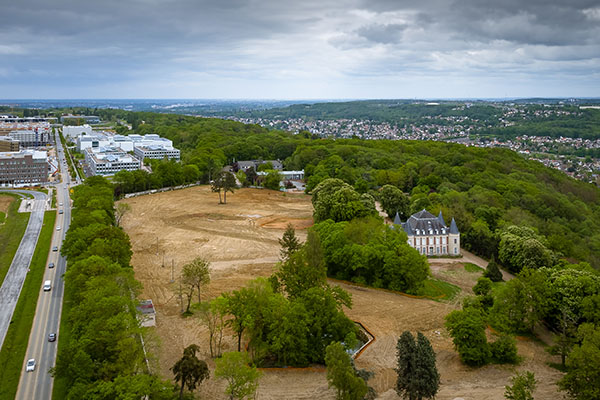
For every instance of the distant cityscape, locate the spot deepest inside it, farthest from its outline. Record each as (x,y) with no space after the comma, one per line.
(458,129)
(106,152)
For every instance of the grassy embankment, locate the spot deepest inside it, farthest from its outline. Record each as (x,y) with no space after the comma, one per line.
(11,232)
(439,290)
(13,350)
(60,389)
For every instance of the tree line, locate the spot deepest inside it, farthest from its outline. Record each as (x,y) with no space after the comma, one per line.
(102,357)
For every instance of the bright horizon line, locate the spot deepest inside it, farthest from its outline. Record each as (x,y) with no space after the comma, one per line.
(311,99)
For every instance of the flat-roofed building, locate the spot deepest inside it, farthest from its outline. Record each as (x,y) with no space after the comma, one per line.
(156,152)
(9,144)
(92,141)
(73,132)
(110,160)
(26,167)
(35,137)
(88,119)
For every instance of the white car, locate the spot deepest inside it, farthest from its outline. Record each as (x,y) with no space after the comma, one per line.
(30,365)
(58,228)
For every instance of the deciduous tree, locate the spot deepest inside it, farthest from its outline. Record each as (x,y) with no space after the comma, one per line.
(189,370)
(224,181)
(467,329)
(582,380)
(242,379)
(393,200)
(522,388)
(213,315)
(196,274)
(341,374)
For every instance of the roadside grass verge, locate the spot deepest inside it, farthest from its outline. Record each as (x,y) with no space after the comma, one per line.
(11,233)
(13,350)
(439,290)
(67,156)
(60,388)
(470,267)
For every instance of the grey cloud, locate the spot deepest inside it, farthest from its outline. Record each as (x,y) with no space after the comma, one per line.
(140,42)
(378,33)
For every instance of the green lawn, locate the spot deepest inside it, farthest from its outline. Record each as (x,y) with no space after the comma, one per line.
(436,289)
(470,267)
(13,350)
(11,233)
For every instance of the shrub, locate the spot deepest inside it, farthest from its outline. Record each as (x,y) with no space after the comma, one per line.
(504,350)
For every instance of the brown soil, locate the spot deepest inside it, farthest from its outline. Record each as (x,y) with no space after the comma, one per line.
(5,202)
(240,240)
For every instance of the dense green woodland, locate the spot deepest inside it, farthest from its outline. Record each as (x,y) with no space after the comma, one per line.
(101,356)
(537,222)
(484,189)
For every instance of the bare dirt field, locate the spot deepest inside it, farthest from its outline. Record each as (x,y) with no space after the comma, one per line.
(240,240)
(5,202)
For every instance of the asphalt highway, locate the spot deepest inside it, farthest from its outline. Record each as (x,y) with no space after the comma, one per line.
(37,385)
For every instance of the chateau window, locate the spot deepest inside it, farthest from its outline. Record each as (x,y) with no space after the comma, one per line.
(454,240)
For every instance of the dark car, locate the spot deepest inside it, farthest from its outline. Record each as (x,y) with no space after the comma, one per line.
(52,337)
(51,265)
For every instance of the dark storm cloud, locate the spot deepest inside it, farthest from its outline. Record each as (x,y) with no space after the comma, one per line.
(236,47)
(548,22)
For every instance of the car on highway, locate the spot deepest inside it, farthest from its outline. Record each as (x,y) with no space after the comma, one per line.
(30,365)
(60,211)
(51,265)
(58,228)
(54,248)
(60,204)
(52,337)
(47,285)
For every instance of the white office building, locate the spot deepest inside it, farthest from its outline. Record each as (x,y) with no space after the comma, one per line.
(110,160)
(72,132)
(156,152)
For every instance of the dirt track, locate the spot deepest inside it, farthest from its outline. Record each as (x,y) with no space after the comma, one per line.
(240,239)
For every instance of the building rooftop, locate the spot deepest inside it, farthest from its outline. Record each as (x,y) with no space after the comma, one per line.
(425,223)
(35,154)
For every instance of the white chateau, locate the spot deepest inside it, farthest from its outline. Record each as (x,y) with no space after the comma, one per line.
(430,235)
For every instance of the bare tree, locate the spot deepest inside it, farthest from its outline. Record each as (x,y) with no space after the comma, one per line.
(121,210)
(213,315)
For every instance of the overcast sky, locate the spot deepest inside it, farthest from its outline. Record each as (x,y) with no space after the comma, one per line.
(308,49)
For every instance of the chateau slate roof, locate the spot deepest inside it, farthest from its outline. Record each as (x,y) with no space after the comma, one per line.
(441,218)
(453,227)
(397,220)
(425,223)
